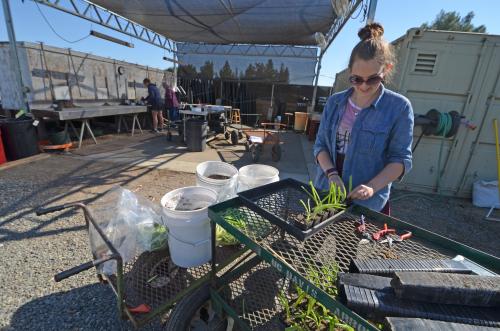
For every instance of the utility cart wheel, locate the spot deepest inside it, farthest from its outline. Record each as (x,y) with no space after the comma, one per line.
(276,153)
(240,134)
(255,150)
(234,138)
(194,312)
(227,135)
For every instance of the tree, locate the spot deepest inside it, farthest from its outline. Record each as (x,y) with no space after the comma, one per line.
(451,21)
(284,74)
(260,70)
(269,73)
(250,72)
(226,72)
(188,71)
(207,70)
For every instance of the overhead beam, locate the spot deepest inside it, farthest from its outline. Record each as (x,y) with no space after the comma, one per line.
(341,21)
(282,51)
(96,14)
(371,11)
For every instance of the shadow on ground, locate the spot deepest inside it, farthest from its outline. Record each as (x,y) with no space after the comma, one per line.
(91,307)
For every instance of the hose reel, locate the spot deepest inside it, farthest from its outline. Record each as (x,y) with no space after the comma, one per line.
(436,123)
(444,125)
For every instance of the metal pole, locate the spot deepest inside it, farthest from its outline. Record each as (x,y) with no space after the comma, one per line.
(315,90)
(371,11)
(16,64)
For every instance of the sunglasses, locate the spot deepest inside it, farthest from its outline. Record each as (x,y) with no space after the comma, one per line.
(357,80)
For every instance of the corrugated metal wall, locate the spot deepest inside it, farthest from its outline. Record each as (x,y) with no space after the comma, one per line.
(75,75)
(449,71)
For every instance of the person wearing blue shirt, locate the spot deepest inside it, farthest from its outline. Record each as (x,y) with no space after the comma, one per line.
(154,104)
(366,132)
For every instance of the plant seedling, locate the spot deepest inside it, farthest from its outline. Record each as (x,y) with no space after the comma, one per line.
(305,312)
(333,200)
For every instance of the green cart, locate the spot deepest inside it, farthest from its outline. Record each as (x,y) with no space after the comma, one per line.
(247,286)
(251,295)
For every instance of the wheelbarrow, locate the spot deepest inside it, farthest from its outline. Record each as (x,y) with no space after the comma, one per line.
(256,139)
(149,285)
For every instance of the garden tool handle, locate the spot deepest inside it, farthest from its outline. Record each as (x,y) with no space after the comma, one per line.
(47,210)
(405,236)
(82,267)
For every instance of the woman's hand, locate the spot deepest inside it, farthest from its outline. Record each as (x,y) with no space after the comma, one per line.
(335,178)
(361,192)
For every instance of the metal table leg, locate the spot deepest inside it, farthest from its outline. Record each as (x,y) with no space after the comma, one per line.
(73,128)
(119,123)
(134,121)
(85,124)
(90,130)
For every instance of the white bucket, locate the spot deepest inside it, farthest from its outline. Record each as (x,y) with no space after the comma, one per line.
(225,188)
(255,175)
(189,237)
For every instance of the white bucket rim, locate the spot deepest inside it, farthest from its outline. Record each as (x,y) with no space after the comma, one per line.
(202,188)
(217,181)
(260,166)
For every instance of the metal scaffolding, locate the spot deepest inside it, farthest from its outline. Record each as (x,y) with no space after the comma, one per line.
(96,14)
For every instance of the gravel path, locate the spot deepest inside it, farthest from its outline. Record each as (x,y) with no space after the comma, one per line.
(33,249)
(453,218)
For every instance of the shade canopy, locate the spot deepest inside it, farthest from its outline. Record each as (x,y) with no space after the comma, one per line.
(278,22)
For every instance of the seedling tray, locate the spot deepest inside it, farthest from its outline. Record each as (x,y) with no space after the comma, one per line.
(279,203)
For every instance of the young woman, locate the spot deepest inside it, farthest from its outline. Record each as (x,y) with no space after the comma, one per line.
(366,131)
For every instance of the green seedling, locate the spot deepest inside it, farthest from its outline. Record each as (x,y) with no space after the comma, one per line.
(305,312)
(309,214)
(333,200)
(236,219)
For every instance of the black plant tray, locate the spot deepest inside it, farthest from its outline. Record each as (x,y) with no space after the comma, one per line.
(279,203)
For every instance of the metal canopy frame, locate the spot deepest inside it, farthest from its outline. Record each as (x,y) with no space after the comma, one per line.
(304,52)
(96,14)
(99,15)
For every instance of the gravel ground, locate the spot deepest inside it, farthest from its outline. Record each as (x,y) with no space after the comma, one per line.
(33,249)
(453,218)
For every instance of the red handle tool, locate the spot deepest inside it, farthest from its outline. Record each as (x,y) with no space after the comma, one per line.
(382,233)
(406,235)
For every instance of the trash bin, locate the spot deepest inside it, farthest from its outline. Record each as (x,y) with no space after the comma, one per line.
(19,138)
(196,134)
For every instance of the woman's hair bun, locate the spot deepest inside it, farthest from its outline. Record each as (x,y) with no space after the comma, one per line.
(371,31)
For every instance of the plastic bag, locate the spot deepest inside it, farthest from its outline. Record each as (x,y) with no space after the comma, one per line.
(131,223)
(485,194)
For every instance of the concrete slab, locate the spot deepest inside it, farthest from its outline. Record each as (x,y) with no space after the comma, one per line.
(154,151)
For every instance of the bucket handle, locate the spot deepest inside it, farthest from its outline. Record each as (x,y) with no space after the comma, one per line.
(196,244)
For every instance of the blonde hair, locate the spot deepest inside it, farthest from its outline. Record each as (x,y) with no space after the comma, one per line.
(372,46)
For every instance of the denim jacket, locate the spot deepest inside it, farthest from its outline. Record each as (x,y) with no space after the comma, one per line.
(381,134)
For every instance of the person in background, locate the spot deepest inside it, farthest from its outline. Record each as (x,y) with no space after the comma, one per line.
(366,132)
(154,101)
(171,103)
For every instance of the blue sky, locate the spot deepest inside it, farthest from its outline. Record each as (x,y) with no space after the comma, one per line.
(397,16)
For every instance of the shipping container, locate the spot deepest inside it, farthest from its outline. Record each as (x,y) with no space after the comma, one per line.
(449,71)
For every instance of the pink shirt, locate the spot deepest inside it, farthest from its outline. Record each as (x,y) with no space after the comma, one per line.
(345,127)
